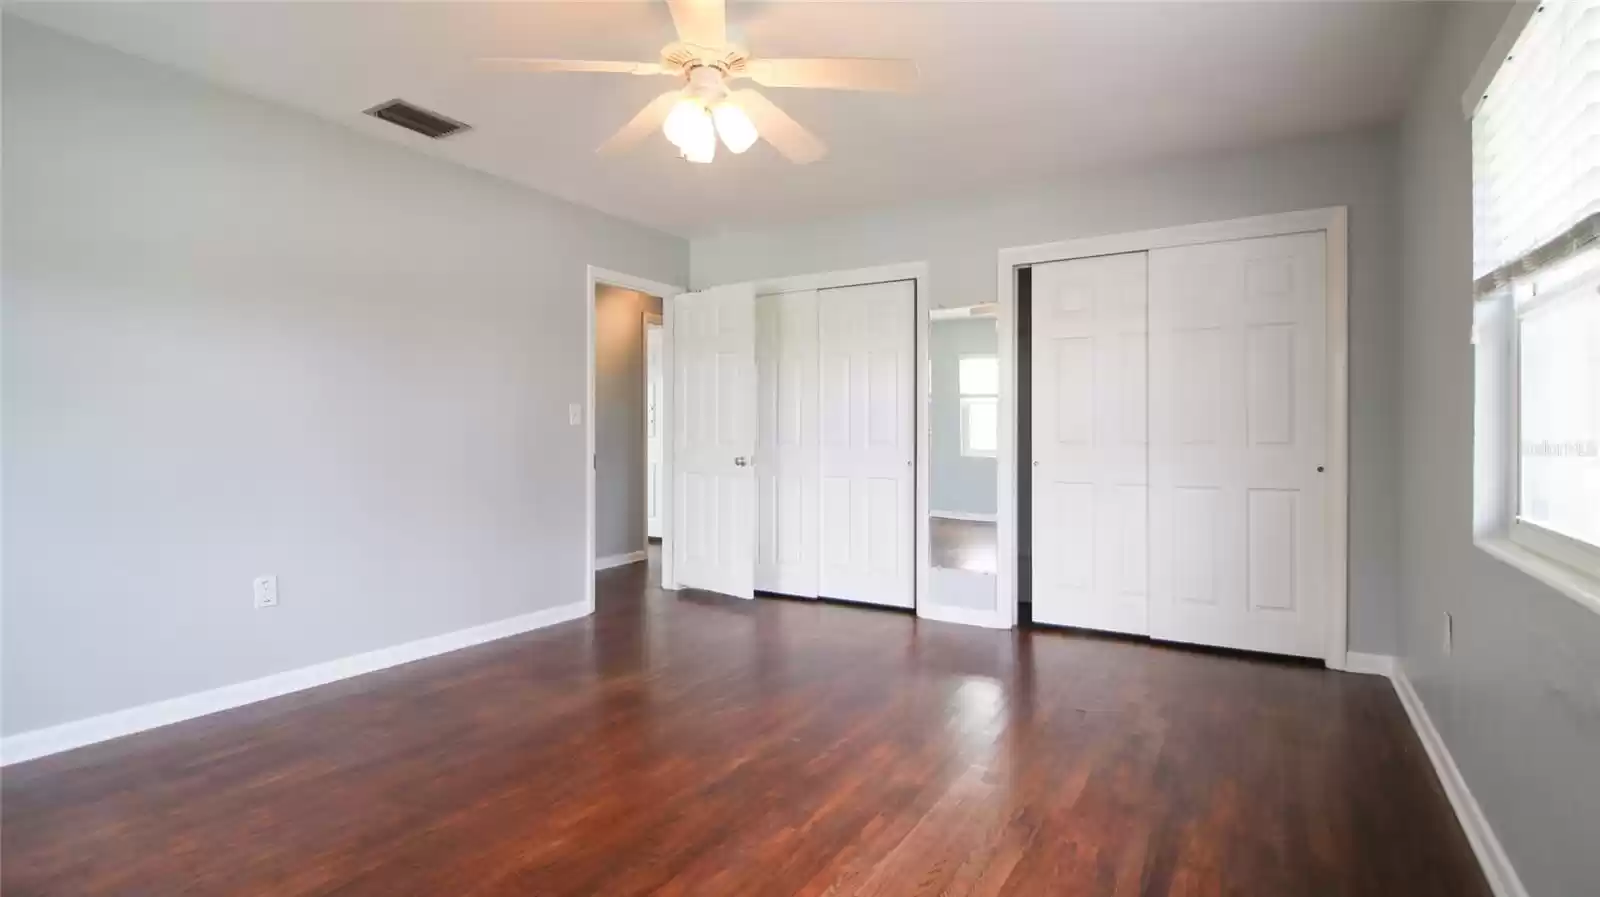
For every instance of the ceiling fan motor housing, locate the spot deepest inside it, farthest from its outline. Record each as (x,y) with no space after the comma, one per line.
(686,58)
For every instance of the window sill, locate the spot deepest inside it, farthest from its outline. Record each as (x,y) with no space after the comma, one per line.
(1570,582)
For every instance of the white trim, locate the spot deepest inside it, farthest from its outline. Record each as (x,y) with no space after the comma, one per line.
(917,271)
(1369,664)
(1566,580)
(964,515)
(64,737)
(663,291)
(924,446)
(1497,868)
(1182,235)
(1006,576)
(618,560)
(1333,221)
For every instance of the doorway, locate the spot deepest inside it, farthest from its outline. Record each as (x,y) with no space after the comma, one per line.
(620,412)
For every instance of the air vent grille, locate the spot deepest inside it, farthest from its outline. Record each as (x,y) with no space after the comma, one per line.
(416,118)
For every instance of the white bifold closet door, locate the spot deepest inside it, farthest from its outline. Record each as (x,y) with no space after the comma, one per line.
(786,446)
(1238,412)
(866,340)
(1089,443)
(1179,429)
(714,435)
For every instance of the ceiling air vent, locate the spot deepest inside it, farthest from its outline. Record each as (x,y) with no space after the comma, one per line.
(416,118)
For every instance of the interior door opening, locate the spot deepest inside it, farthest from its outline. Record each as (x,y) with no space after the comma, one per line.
(625,449)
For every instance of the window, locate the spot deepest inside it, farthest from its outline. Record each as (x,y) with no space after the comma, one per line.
(979,377)
(1558,413)
(1536,260)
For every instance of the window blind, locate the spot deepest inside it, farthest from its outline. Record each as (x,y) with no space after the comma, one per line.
(1536,148)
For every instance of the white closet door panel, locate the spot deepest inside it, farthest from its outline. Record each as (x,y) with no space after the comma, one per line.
(1089,443)
(1238,409)
(867,357)
(714,434)
(786,445)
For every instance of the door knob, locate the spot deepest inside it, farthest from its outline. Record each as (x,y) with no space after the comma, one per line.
(740,461)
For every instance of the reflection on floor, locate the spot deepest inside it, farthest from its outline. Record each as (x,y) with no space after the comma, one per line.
(689,743)
(964,544)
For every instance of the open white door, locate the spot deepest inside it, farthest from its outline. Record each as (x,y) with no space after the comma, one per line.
(713,440)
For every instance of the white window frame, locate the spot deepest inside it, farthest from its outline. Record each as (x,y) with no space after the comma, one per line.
(1561,562)
(968,399)
(1525,534)
(1567,565)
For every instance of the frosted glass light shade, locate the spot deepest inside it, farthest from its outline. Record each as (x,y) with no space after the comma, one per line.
(738,134)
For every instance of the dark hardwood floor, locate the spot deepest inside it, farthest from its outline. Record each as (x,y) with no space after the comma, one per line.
(699,745)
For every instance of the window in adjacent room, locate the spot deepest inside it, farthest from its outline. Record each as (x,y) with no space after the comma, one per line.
(1536,260)
(980,405)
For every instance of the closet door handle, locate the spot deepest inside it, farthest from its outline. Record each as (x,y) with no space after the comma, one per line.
(741,461)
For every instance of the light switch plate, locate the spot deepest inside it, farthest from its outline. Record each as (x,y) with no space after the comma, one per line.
(266,591)
(575,414)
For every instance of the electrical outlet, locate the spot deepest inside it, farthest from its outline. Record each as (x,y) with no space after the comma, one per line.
(266,591)
(574,414)
(1449,633)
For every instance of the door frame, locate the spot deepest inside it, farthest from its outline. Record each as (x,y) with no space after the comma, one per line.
(1334,222)
(651,319)
(827,280)
(595,276)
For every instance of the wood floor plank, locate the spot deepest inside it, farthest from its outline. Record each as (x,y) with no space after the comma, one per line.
(690,744)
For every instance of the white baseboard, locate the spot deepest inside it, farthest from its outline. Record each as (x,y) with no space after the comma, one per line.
(64,737)
(617,560)
(1497,868)
(963,515)
(1370,664)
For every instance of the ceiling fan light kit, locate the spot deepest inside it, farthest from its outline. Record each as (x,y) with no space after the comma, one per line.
(703,113)
(693,118)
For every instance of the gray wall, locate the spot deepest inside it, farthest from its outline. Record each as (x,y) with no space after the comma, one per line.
(1518,698)
(240,340)
(956,482)
(619,425)
(960,241)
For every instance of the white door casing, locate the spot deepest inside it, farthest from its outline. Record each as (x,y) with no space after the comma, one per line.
(867,428)
(1238,418)
(713,433)
(1089,443)
(786,444)
(654,430)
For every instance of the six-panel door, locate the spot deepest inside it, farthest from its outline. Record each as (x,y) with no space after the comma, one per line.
(714,429)
(867,425)
(1089,443)
(1238,411)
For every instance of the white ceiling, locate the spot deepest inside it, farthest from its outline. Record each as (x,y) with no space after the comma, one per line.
(1010,92)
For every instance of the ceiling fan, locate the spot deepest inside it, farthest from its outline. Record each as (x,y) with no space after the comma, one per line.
(694,116)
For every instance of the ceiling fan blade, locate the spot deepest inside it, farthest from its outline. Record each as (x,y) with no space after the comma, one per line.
(517,64)
(703,23)
(648,119)
(835,74)
(786,135)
